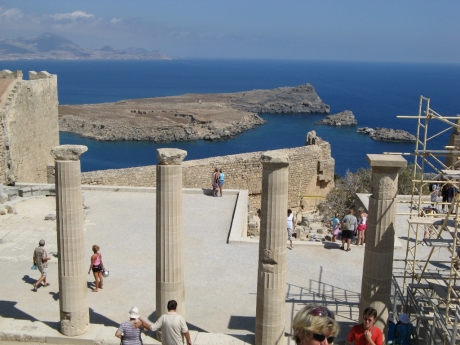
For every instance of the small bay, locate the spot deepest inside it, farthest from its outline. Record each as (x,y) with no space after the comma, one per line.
(375,92)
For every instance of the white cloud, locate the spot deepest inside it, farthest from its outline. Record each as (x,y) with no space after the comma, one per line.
(73,16)
(10,14)
(116,20)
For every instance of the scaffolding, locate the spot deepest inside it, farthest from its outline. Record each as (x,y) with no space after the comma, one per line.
(432,295)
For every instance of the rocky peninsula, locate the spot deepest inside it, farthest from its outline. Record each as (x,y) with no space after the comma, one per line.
(187,117)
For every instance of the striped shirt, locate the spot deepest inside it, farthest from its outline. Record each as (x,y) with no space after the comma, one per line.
(131,335)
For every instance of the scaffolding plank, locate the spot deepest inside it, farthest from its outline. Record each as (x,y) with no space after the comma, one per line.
(419,286)
(441,242)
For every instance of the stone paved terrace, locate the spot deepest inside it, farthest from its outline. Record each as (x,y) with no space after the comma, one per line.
(220,278)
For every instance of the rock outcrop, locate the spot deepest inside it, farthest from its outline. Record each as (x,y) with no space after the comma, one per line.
(188,117)
(298,99)
(387,134)
(345,118)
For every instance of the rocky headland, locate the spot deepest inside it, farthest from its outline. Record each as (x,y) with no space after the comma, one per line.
(187,117)
(345,118)
(387,134)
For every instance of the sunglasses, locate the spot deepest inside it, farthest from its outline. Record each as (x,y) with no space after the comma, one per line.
(321,337)
(321,311)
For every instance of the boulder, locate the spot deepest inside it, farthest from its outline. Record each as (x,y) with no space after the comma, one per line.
(389,134)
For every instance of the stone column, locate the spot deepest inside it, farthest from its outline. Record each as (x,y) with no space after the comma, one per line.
(380,236)
(271,279)
(169,231)
(73,300)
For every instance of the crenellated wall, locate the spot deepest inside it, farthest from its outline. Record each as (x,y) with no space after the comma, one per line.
(29,126)
(311,173)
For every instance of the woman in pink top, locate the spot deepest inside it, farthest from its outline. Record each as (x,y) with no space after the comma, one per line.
(97,266)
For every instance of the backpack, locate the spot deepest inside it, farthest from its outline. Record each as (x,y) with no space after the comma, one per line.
(345,225)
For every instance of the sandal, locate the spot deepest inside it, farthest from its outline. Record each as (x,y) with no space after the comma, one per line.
(47,284)
(348,250)
(34,288)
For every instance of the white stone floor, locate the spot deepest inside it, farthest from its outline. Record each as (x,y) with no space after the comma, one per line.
(220,278)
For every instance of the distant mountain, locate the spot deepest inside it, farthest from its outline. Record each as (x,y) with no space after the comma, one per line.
(51,46)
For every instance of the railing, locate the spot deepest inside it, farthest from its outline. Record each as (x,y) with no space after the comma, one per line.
(431,327)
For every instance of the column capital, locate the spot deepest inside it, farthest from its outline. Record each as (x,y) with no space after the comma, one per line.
(386,161)
(170,156)
(68,152)
(274,160)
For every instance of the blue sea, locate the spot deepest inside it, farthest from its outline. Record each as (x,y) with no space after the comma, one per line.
(375,92)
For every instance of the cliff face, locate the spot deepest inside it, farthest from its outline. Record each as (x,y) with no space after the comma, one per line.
(187,117)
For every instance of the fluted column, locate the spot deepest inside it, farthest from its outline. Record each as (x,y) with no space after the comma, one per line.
(271,279)
(380,236)
(169,231)
(73,300)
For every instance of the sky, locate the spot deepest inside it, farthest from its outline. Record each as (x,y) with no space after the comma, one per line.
(346,30)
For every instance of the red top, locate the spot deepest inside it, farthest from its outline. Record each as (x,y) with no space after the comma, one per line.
(356,335)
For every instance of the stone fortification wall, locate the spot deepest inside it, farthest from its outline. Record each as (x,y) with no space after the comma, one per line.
(311,173)
(29,126)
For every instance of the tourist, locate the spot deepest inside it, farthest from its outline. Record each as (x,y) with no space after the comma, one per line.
(403,330)
(362,221)
(98,267)
(434,193)
(290,226)
(391,328)
(348,226)
(215,182)
(366,333)
(314,325)
(40,260)
(445,195)
(130,331)
(335,223)
(221,180)
(173,327)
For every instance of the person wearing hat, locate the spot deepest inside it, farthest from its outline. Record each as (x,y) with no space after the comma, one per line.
(404,329)
(40,260)
(130,331)
(173,327)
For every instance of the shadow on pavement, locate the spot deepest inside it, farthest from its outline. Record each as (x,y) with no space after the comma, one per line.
(101,319)
(8,310)
(247,323)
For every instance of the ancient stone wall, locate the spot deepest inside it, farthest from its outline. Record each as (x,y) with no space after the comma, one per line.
(29,124)
(311,173)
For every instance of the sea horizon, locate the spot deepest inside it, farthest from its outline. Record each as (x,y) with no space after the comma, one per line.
(376,92)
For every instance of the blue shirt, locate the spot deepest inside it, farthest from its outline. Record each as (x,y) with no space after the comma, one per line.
(335,222)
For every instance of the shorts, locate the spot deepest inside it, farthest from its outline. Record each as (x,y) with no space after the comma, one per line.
(347,234)
(289,234)
(361,227)
(221,183)
(96,268)
(215,185)
(43,270)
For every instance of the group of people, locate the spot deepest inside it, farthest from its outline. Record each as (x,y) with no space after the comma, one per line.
(41,258)
(217,181)
(350,226)
(173,327)
(447,192)
(316,325)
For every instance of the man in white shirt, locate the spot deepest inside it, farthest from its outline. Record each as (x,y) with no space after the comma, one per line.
(173,327)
